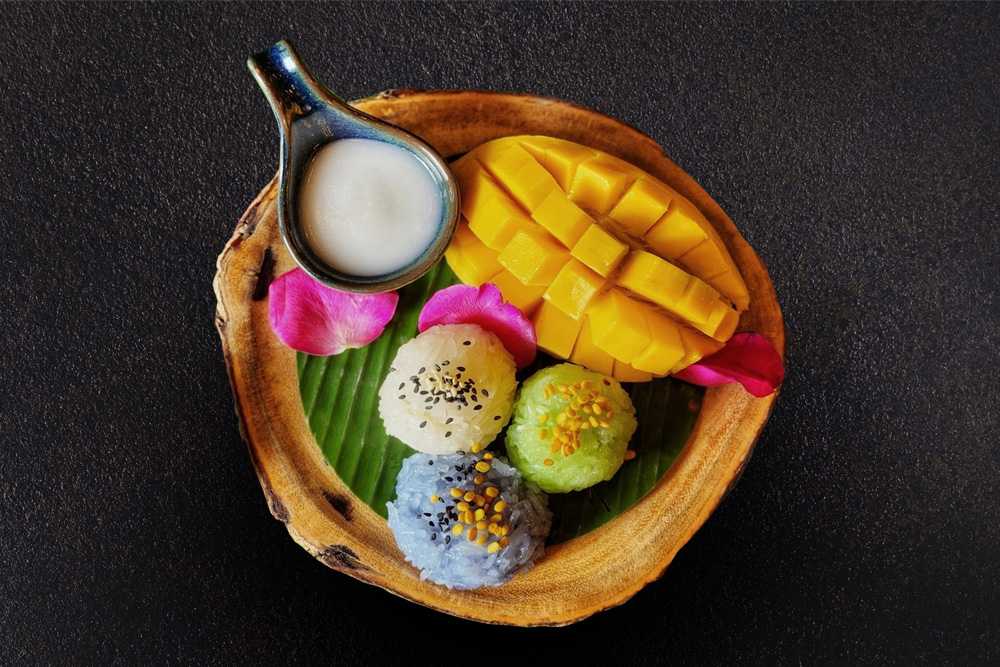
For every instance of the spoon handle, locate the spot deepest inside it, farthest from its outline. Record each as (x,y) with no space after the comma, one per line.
(290,87)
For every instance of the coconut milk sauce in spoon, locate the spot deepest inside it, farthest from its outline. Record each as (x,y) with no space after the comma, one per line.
(363,205)
(368,208)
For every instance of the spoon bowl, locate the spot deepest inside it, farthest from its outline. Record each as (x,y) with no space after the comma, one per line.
(310,116)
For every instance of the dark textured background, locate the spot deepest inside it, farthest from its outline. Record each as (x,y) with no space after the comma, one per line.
(855,147)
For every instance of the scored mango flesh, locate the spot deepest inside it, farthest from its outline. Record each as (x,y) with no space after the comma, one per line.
(617,271)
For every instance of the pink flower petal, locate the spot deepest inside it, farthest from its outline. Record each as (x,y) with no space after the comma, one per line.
(310,317)
(465,304)
(747,358)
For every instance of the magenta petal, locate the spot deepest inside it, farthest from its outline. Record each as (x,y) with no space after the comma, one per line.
(310,317)
(465,304)
(748,358)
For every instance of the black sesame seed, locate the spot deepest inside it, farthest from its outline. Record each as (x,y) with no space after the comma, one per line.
(468,342)
(402,396)
(437,368)
(447,434)
(497,418)
(392,369)
(486,393)
(446,362)
(422,370)
(427,513)
(433,536)
(461,368)
(449,420)
(423,424)
(447,479)
(447,539)
(478,407)
(430,523)
(429,462)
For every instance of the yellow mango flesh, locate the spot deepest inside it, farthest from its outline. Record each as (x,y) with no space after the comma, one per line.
(618,271)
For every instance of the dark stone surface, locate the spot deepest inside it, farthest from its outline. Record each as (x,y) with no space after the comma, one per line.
(856,148)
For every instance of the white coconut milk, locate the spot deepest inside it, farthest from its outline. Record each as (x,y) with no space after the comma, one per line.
(368,208)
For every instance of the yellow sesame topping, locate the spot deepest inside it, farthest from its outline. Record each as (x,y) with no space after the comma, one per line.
(586,384)
(499,507)
(566,395)
(479,479)
(589,410)
(584,426)
(476,447)
(604,422)
(471,495)
(543,434)
(488,456)
(496,518)
(481,525)
(504,531)
(462,506)
(482,466)
(479,514)
(548,462)
(544,417)
(594,422)
(503,541)
(457,530)
(562,386)
(456,493)
(561,419)
(629,454)
(492,491)
(434,498)
(482,539)
(554,447)
(598,409)
(472,534)
(493,547)
(549,388)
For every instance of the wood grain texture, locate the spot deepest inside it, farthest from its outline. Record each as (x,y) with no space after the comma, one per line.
(574,580)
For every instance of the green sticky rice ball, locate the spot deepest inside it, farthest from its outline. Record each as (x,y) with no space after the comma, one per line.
(557,401)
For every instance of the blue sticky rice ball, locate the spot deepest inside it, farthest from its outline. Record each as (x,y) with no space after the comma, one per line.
(425,513)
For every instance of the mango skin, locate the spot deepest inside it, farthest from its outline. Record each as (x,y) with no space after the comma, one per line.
(634,280)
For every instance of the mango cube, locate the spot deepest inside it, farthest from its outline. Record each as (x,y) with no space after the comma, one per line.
(653,278)
(679,230)
(665,349)
(525,298)
(597,185)
(642,206)
(573,288)
(533,256)
(722,322)
(472,262)
(627,373)
(587,354)
(618,325)
(696,346)
(527,181)
(562,218)
(599,250)
(555,330)
(496,222)
(562,162)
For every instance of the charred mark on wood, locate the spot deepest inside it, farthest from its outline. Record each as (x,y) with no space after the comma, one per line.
(339,556)
(264,276)
(340,504)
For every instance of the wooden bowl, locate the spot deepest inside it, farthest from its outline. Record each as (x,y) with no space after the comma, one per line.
(573,580)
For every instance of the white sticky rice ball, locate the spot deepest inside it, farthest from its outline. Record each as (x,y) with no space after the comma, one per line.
(449,388)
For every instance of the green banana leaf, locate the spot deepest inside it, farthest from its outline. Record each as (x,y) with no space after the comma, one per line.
(340,398)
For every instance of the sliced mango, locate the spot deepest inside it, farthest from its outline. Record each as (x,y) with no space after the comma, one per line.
(470,259)
(534,257)
(599,250)
(555,330)
(526,298)
(587,354)
(620,272)
(642,206)
(562,218)
(618,325)
(573,288)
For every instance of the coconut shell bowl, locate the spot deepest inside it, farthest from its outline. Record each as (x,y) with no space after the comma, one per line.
(594,570)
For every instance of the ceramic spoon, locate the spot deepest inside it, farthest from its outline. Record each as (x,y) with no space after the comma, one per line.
(310,116)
